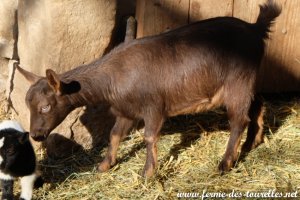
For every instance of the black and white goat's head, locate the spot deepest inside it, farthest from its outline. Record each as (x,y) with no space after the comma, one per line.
(17,159)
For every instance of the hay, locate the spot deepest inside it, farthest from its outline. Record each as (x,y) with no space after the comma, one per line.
(4,113)
(190,149)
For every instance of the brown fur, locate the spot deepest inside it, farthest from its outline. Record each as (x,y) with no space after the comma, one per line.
(198,67)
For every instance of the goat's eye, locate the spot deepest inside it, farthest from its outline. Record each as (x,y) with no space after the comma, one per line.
(46,109)
(10,150)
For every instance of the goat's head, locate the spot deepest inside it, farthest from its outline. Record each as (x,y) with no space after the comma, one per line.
(11,147)
(48,101)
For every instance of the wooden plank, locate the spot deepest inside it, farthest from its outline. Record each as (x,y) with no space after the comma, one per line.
(281,66)
(247,10)
(157,16)
(203,9)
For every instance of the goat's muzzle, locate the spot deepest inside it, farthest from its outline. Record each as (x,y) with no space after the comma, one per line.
(38,137)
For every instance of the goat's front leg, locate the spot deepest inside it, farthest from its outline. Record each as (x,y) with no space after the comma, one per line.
(7,189)
(255,135)
(153,125)
(238,123)
(120,129)
(27,184)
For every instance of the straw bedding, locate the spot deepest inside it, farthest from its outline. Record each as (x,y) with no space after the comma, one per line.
(189,150)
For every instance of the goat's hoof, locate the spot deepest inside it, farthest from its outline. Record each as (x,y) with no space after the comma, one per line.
(148,172)
(246,148)
(103,166)
(225,166)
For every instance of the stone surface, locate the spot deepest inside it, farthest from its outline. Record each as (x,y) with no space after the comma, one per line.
(3,73)
(86,127)
(8,37)
(8,28)
(61,35)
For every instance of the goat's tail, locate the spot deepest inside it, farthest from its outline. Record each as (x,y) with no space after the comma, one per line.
(267,14)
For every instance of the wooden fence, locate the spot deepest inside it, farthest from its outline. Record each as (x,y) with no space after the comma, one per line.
(281,66)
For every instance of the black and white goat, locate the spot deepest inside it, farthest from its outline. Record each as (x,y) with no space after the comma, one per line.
(17,159)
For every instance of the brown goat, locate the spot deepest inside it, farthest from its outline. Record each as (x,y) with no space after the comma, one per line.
(197,67)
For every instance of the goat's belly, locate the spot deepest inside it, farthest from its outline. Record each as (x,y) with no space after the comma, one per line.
(196,106)
(191,107)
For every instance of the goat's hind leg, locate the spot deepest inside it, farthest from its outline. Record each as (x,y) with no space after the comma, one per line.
(237,126)
(255,135)
(237,111)
(120,129)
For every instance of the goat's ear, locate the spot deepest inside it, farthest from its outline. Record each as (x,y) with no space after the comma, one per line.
(24,138)
(59,87)
(54,81)
(70,88)
(31,77)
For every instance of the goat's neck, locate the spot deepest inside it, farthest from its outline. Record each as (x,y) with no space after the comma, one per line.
(94,86)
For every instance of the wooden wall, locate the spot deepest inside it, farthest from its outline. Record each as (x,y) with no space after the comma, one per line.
(281,66)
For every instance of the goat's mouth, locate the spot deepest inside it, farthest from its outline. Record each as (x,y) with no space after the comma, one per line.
(39,136)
